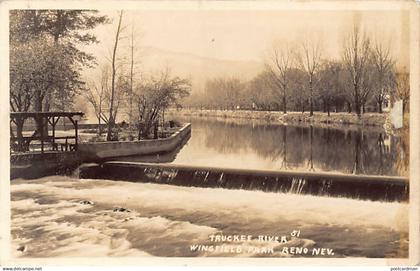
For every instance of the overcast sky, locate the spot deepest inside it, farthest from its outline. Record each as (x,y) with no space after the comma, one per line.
(247,34)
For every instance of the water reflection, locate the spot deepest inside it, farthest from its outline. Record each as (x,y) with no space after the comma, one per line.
(257,145)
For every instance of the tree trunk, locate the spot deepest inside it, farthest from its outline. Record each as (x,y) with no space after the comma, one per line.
(155,130)
(404,105)
(336,105)
(146,131)
(38,108)
(358,109)
(357,103)
(380,111)
(19,134)
(284,104)
(46,109)
(109,135)
(99,126)
(140,130)
(328,108)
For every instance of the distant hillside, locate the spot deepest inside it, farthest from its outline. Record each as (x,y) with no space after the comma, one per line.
(197,68)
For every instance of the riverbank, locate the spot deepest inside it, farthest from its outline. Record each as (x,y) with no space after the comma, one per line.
(367,119)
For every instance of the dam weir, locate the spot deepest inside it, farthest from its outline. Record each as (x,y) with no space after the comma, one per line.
(363,187)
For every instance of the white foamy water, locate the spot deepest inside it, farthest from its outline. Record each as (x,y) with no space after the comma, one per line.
(49,219)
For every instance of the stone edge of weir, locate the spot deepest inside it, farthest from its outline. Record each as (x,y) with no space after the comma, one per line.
(377,188)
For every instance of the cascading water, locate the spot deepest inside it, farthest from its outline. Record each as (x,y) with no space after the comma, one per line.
(382,188)
(323,189)
(102,217)
(297,185)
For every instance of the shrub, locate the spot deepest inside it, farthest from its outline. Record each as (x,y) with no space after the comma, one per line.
(89,131)
(96,139)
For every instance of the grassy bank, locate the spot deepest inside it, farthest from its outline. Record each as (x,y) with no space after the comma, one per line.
(368,119)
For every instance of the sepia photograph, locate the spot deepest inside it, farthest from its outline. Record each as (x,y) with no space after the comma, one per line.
(211,129)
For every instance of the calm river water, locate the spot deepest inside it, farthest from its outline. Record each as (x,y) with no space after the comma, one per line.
(258,145)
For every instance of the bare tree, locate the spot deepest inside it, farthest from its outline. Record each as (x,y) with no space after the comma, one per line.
(233,87)
(309,60)
(130,113)
(112,108)
(278,65)
(224,93)
(329,83)
(368,85)
(384,65)
(402,90)
(259,93)
(133,63)
(96,95)
(298,89)
(156,95)
(355,58)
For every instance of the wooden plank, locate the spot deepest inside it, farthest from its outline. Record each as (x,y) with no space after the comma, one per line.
(44,114)
(49,137)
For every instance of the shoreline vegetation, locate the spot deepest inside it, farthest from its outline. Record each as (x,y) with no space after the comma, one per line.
(319,118)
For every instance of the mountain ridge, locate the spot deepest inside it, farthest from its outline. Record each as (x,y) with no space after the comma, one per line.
(197,68)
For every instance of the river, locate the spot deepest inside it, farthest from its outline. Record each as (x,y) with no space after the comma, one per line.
(255,144)
(61,216)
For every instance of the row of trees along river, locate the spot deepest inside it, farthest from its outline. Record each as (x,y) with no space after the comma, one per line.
(299,77)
